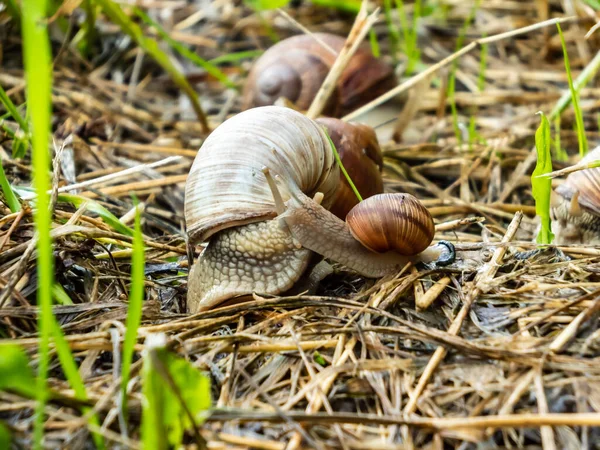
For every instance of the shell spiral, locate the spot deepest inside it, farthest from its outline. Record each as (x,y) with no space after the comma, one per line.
(226,186)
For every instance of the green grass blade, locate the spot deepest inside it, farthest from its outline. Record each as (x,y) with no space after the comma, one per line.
(482,65)
(72,374)
(559,153)
(582,80)
(235,57)
(541,187)
(210,68)
(350,6)
(97,208)
(60,295)
(12,110)
(11,199)
(342,168)
(134,310)
(150,46)
(38,76)
(15,373)
(583,144)
(393,33)
(5,437)
(374,43)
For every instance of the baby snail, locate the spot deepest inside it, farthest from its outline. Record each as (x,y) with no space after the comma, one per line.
(295,69)
(576,206)
(259,192)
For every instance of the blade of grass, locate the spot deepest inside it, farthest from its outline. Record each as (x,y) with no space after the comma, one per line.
(582,80)
(542,186)
(351,6)
(97,208)
(482,65)
(12,109)
(134,310)
(559,153)
(342,168)
(13,9)
(374,43)
(184,51)
(11,199)
(393,33)
(452,77)
(235,57)
(73,376)
(583,144)
(38,76)
(150,46)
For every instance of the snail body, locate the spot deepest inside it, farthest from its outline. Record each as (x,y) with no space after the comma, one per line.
(576,206)
(259,190)
(296,67)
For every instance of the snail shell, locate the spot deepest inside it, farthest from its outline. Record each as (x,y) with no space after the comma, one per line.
(585,183)
(361,156)
(576,210)
(397,222)
(296,67)
(226,186)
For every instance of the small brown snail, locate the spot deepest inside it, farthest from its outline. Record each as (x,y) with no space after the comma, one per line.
(576,206)
(296,67)
(275,163)
(361,156)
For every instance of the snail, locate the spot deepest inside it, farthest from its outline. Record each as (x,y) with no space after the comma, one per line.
(576,206)
(259,190)
(361,156)
(295,68)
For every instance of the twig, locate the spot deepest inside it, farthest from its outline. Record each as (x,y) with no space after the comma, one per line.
(436,423)
(361,26)
(120,174)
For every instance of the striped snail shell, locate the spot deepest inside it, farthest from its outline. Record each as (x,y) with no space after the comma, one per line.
(392,222)
(295,68)
(226,186)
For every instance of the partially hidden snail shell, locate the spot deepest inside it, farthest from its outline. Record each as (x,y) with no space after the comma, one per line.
(295,68)
(584,183)
(226,186)
(362,158)
(397,222)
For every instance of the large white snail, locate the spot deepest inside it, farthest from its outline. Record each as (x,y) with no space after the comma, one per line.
(576,206)
(259,190)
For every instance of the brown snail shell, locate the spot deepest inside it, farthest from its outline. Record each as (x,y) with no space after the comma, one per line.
(361,156)
(397,222)
(296,67)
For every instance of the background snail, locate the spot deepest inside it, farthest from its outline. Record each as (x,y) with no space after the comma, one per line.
(576,206)
(296,67)
(362,158)
(231,200)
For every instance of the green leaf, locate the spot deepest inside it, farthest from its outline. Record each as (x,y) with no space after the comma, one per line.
(583,144)
(15,372)
(134,310)
(319,359)
(167,381)
(150,46)
(5,438)
(11,199)
(97,208)
(60,295)
(351,6)
(542,186)
(262,5)
(19,147)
